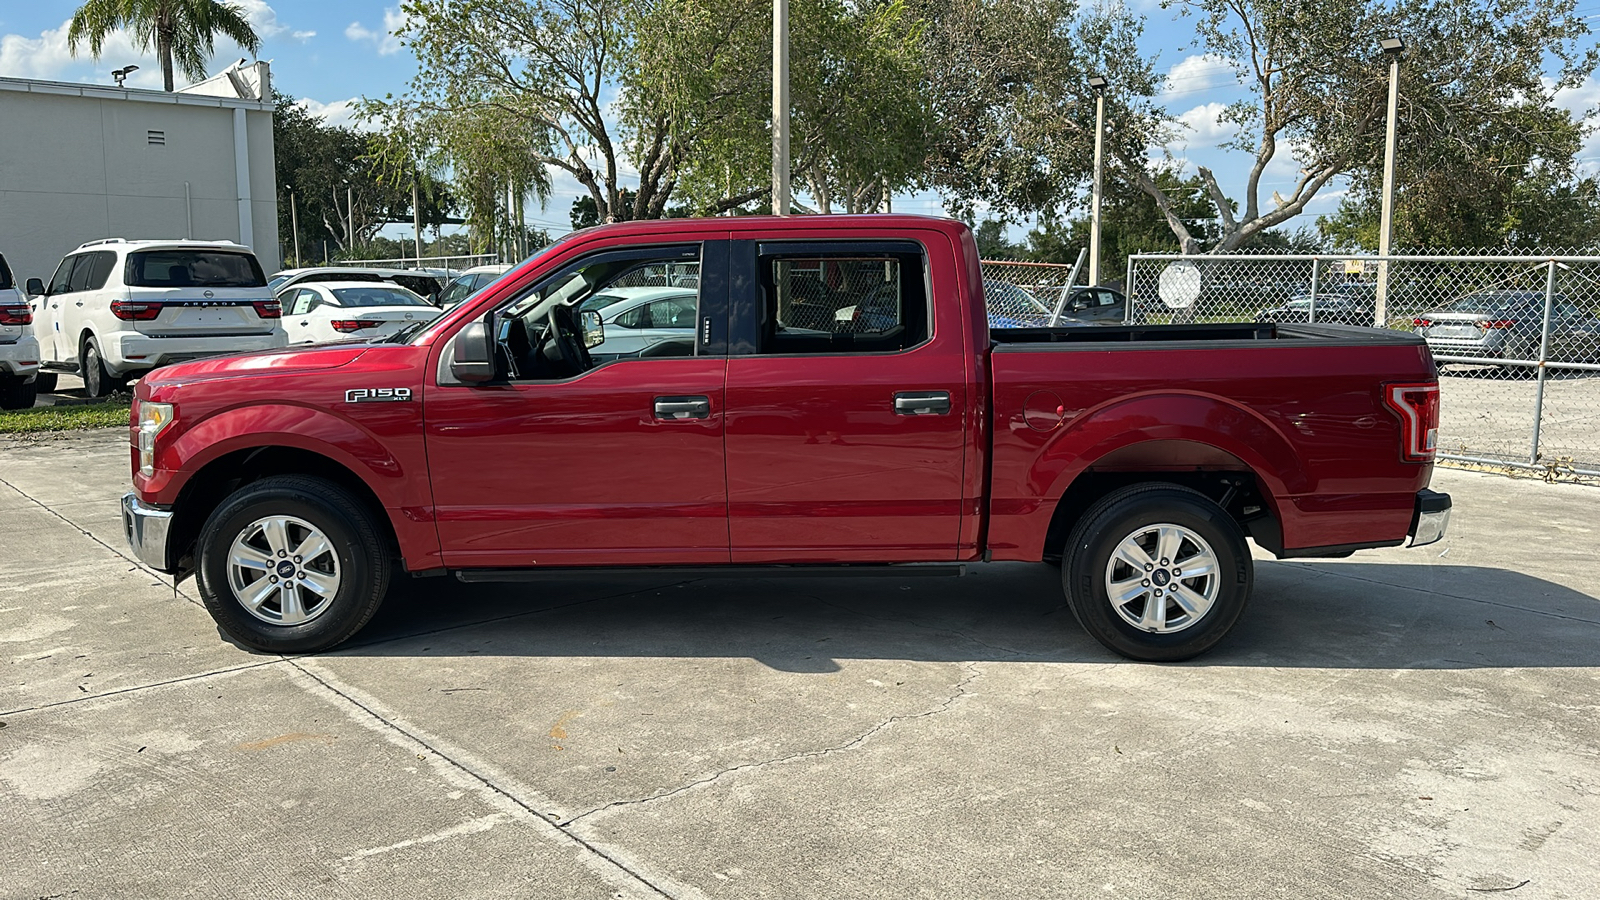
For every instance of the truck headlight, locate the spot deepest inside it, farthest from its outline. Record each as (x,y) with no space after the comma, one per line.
(153,419)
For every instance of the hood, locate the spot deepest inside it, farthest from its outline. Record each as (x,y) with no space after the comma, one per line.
(265,362)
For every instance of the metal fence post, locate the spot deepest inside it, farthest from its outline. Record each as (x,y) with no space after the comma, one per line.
(1316,280)
(1127,308)
(1072,278)
(1544,355)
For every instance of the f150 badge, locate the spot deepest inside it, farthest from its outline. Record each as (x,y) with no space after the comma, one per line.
(376,395)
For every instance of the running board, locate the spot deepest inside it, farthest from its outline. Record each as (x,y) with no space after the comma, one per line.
(879,570)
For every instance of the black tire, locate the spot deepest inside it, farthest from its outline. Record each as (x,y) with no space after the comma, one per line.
(97,380)
(45,382)
(16,394)
(357,540)
(1119,516)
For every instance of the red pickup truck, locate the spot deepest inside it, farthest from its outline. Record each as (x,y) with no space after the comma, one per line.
(835,404)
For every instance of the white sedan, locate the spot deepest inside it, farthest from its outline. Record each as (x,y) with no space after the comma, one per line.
(636,317)
(341,310)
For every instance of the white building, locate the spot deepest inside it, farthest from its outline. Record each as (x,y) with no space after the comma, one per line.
(80,162)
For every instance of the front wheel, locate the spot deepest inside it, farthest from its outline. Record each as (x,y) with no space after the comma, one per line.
(1157,572)
(292,564)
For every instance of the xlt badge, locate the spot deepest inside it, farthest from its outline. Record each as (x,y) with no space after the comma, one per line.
(376,395)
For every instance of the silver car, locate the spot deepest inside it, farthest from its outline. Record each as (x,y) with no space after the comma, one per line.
(1509,325)
(635,318)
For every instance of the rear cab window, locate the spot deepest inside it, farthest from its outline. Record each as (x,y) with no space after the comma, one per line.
(868,297)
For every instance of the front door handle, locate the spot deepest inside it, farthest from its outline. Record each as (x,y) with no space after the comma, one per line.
(922,403)
(676,408)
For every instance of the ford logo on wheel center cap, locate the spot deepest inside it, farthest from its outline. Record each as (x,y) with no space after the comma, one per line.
(285,569)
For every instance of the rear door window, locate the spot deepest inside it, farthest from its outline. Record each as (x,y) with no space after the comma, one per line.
(860,300)
(82,268)
(194,268)
(99,265)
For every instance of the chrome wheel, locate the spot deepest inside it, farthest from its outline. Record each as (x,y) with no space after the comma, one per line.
(283,570)
(1162,578)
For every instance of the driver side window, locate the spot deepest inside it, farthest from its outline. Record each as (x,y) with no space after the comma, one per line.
(540,335)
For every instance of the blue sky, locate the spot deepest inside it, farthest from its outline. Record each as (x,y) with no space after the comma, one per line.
(330,53)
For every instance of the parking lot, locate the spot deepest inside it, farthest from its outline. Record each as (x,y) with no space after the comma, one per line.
(1404,723)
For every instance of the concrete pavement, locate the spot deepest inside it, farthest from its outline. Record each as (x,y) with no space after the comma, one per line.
(1404,723)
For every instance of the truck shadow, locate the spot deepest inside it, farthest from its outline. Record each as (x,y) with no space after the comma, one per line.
(1305,614)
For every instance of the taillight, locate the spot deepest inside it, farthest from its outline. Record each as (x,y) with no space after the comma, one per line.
(1498,324)
(129,311)
(348,325)
(1417,405)
(16,315)
(1421,323)
(268,309)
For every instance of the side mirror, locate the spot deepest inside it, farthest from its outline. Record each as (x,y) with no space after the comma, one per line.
(472,355)
(35,287)
(594,334)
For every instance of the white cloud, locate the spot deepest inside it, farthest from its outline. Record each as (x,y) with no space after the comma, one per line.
(264,19)
(339,112)
(47,57)
(1196,74)
(386,41)
(1205,127)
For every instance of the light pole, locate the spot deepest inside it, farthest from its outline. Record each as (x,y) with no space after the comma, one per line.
(780,107)
(1099,85)
(294,224)
(1392,48)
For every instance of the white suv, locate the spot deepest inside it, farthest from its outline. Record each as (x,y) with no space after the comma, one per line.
(19,352)
(116,309)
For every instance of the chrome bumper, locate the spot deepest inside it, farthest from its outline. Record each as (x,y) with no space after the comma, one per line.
(146,529)
(1431,517)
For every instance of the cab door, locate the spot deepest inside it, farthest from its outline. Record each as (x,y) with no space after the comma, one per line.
(848,410)
(620,465)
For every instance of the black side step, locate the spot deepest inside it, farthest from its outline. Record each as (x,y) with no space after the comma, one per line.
(880,570)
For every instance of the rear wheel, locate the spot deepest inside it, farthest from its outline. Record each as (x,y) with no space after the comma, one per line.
(1157,572)
(97,380)
(16,394)
(45,382)
(292,564)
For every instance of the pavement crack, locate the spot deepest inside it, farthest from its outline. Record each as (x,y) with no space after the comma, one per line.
(464,770)
(161,576)
(137,688)
(956,693)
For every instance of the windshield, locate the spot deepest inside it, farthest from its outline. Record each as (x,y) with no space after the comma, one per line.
(352,297)
(194,268)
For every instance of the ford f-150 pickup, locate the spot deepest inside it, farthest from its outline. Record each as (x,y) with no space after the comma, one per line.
(838,405)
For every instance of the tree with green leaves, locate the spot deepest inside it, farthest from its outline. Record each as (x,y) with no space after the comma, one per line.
(1318,84)
(181,32)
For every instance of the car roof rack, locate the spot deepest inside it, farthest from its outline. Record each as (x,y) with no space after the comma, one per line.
(115,240)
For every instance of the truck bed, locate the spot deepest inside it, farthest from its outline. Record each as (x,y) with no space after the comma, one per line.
(1208,333)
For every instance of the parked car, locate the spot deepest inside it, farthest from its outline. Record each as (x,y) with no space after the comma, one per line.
(321,311)
(634,318)
(492,445)
(421,282)
(470,282)
(116,308)
(1510,325)
(1351,303)
(1084,306)
(19,350)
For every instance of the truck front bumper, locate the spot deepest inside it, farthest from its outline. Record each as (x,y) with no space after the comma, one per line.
(146,528)
(1431,517)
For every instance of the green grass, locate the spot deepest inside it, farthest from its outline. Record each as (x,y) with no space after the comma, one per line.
(64,418)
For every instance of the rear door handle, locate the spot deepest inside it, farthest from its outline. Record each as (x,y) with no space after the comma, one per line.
(676,408)
(922,403)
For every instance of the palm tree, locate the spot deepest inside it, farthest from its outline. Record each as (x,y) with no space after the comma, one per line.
(183,31)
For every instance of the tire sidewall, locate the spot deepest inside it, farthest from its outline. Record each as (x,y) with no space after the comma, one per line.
(357,571)
(95,381)
(1085,574)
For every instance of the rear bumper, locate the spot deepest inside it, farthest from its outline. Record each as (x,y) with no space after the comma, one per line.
(137,352)
(146,528)
(1431,518)
(20,357)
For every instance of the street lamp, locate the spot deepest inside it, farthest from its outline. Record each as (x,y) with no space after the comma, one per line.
(1099,85)
(294,223)
(121,74)
(1392,48)
(780,107)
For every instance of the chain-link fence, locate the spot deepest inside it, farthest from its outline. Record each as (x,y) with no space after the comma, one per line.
(1028,294)
(1517,338)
